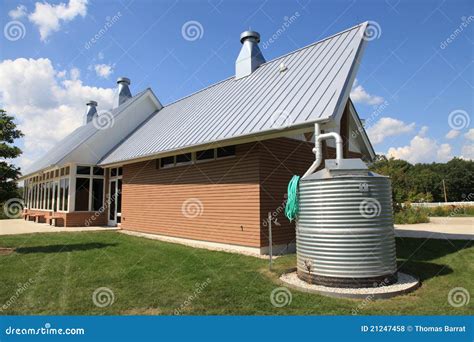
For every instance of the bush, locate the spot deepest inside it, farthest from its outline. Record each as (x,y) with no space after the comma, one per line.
(451,210)
(411,215)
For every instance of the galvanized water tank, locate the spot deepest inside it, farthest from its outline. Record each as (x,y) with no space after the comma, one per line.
(344,232)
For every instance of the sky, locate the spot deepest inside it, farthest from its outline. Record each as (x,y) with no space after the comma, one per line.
(414,88)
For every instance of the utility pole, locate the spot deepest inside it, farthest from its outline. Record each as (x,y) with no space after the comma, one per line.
(444,189)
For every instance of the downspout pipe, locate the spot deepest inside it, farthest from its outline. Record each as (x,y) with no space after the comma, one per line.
(317,150)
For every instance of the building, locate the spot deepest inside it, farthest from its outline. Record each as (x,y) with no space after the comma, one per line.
(212,165)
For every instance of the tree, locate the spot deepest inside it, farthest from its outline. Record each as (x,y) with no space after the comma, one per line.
(9,173)
(424,182)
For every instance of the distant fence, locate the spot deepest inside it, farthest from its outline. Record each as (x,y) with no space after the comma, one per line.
(442,204)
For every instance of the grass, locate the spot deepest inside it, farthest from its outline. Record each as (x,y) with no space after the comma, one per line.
(153,277)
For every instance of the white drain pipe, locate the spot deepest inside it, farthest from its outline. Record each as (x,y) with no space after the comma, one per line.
(317,150)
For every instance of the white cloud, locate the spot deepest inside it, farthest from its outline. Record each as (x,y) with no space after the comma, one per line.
(360,95)
(454,133)
(467,152)
(470,134)
(422,149)
(103,70)
(18,12)
(49,18)
(49,106)
(387,127)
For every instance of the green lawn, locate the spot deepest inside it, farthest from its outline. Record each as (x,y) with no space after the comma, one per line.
(152,277)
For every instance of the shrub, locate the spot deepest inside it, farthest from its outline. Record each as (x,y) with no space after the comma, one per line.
(451,210)
(410,215)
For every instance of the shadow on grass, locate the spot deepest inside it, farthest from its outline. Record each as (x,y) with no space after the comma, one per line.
(422,249)
(64,248)
(423,270)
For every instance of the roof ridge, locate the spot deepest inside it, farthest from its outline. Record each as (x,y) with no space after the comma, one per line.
(267,62)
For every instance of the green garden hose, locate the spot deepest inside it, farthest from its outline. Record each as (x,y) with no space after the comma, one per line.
(292,207)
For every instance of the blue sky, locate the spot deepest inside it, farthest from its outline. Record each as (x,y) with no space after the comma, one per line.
(414,87)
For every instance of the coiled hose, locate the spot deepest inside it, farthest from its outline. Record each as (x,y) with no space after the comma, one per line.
(292,205)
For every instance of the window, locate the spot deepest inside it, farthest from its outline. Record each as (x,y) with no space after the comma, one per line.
(62,187)
(182,159)
(66,193)
(120,171)
(83,170)
(205,155)
(225,151)
(98,171)
(97,193)
(166,162)
(113,172)
(82,194)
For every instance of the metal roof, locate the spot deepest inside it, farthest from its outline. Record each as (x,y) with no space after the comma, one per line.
(72,141)
(308,85)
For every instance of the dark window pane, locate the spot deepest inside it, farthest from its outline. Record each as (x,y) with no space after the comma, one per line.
(120,171)
(97,194)
(183,158)
(112,200)
(119,196)
(166,161)
(83,170)
(55,198)
(82,194)
(113,172)
(56,173)
(225,151)
(62,171)
(67,170)
(50,202)
(66,194)
(61,193)
(205,155)
(98,171)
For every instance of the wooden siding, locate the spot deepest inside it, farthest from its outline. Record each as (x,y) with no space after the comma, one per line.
(280,159)
(224,194)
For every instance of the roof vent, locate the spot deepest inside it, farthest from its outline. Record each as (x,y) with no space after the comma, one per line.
(250,56)
(123,92)
(91,111)
(282,67)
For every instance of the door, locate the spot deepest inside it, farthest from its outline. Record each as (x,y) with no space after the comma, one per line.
(115,207)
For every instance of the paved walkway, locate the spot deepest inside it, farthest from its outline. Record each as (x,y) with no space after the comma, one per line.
(456,228)
(11,227)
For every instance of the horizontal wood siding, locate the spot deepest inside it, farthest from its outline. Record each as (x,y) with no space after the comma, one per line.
(280,159)
(214,201)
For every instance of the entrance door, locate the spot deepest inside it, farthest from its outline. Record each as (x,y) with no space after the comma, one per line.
(115,207)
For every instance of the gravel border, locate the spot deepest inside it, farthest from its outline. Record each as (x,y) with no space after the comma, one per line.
(406,283)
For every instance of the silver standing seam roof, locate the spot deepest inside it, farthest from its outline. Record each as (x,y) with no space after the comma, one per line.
(314,87)
(67,145)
